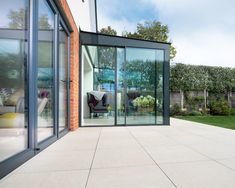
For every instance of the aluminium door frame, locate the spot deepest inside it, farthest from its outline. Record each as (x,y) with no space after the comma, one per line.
(48,141)
(66,129)
(11,163)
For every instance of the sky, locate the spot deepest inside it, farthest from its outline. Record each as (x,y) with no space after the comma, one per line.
(202,31)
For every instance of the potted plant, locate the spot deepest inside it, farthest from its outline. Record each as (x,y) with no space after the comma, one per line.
(144,104)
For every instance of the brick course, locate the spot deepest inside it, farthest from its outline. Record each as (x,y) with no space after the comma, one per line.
(74,68)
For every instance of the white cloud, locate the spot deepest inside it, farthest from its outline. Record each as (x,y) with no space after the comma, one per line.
(206,48)
(118,24)
(203,31)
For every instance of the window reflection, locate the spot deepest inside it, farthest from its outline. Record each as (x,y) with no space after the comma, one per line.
(159,86)
(63,79)
(45,71)
(125,83)
(140,83)
(99,85)
(13,63)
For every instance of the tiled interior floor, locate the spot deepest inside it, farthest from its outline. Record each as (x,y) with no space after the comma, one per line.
(184,155)
(104,120)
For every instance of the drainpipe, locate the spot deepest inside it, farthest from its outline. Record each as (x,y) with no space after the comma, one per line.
(96,19)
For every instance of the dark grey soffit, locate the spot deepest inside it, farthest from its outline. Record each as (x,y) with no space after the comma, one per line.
(89,38)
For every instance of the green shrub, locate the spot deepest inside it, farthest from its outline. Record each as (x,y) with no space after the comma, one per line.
(144,102)
(175,110)
(205,112)
(232,112)
(219,107)
(194,103)
(184,113)
(195,113)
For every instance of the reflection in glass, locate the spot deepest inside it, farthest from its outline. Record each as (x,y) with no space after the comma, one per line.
(45,71)
(98,85)
(63,79)
(159,86)
(140,85)
(13,62)
(131,81)
(120,86)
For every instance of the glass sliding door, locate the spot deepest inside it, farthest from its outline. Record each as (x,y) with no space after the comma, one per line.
(63,78)
(34,57)
(120,87)
(159,86)
(140,86)
(13,86)
(98,93)
(45,83)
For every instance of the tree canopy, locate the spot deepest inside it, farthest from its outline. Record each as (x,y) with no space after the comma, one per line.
(149,30)
(197,78)
(17,20)
(108,31)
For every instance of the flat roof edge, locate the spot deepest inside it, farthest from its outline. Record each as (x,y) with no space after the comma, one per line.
(110,40)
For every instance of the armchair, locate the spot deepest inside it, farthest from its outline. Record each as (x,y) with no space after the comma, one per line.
(97,106)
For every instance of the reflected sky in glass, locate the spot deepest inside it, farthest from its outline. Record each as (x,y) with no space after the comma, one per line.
(6,7)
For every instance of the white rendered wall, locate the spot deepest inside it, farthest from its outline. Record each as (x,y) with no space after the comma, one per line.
(87,83)
(84,14)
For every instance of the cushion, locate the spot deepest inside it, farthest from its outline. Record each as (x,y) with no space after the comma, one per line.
(12,120)
(13,98)
(1,101)
(5,93)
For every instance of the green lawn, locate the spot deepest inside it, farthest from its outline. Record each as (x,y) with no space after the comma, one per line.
(220,121)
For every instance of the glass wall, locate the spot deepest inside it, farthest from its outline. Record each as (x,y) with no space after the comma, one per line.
(63,78)
(159,86)
(13,63)
(130,80)
(46,26)
(120,97)
(140,85)
(33,58)
(98,85)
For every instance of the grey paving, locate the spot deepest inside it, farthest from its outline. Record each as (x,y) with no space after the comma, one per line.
(182,155)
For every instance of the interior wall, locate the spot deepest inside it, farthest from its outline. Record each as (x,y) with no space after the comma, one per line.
(87,82)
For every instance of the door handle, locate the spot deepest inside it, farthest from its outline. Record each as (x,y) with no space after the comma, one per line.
(65,80)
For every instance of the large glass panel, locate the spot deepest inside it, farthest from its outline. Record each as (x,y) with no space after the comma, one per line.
(13,62)
(98,77)
(45,70)
(120,86)
(140,86)
(159,86)
(63,79)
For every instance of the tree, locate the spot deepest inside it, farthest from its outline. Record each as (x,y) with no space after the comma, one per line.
(178,80)
(152,30)
(215,80)
(17,19)
(108,31)
(43,22)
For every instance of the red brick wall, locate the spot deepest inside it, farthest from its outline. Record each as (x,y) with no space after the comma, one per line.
(74,68)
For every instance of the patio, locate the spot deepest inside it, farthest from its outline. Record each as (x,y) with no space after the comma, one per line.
(184,155)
